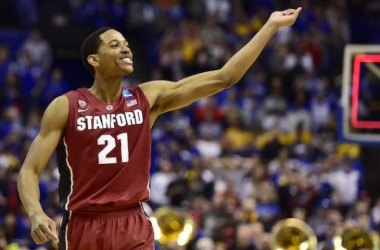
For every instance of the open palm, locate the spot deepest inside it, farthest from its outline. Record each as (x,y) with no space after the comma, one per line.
(284,18)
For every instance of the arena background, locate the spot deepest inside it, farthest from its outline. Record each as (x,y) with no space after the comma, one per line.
(266,149)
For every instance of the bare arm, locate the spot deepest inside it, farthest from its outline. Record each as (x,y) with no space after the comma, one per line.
(41,150)
(165,96)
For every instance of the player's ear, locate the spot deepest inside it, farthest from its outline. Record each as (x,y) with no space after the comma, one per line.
(93,60)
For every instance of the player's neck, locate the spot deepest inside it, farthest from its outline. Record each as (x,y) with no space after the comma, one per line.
(106,90)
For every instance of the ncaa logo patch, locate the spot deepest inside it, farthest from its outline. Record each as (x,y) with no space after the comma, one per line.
(127,94)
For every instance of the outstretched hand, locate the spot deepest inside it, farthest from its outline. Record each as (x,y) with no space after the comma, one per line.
(284,18)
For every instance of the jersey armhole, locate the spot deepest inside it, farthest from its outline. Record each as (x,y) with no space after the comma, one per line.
(71,96)
(146,101)
(144,97)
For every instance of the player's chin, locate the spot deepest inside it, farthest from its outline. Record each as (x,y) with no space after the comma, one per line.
(128,70)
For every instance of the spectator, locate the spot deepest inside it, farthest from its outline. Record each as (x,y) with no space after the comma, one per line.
(30,75)
(320,110)
(243,238)
(38,49)
(205,244)
(299,114)
(54,87)
(160,181)
(274,106)
(279,166)
(375,214)
(4,63)
(304,197)
(267,207)
(346,183)
(10,92)
(219,8)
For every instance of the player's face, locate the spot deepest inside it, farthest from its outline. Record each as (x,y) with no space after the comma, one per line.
(115,56)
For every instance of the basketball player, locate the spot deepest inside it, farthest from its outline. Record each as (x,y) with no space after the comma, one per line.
(102,137)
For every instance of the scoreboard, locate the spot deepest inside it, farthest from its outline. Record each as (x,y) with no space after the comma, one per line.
(360,103)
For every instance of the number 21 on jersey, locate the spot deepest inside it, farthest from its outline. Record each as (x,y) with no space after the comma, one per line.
(110,143)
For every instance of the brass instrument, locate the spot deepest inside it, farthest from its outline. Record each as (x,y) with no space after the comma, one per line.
(356,238)
(172,226)
(292,234)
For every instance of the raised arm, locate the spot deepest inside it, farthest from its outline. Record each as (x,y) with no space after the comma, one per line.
(52,126)
(165,96)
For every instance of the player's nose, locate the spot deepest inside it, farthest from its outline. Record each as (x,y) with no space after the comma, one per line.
(125,50)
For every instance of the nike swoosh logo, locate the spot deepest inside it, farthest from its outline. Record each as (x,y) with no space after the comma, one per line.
(83,110)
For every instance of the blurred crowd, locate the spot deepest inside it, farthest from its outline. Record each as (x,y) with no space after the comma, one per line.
(238,162)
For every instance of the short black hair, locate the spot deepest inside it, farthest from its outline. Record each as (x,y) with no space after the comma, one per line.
(90,46)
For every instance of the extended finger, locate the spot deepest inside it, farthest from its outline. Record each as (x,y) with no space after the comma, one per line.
(42,233)
(296,12)
(291,11)
(49,233)
(54,232)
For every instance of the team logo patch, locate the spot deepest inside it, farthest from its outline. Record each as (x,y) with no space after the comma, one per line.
(82,104)
(127,94)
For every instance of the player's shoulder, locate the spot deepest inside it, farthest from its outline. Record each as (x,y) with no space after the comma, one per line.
(75,93)
(156,84)
(56,114)
(153,89)
(134,89)
(59,103)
